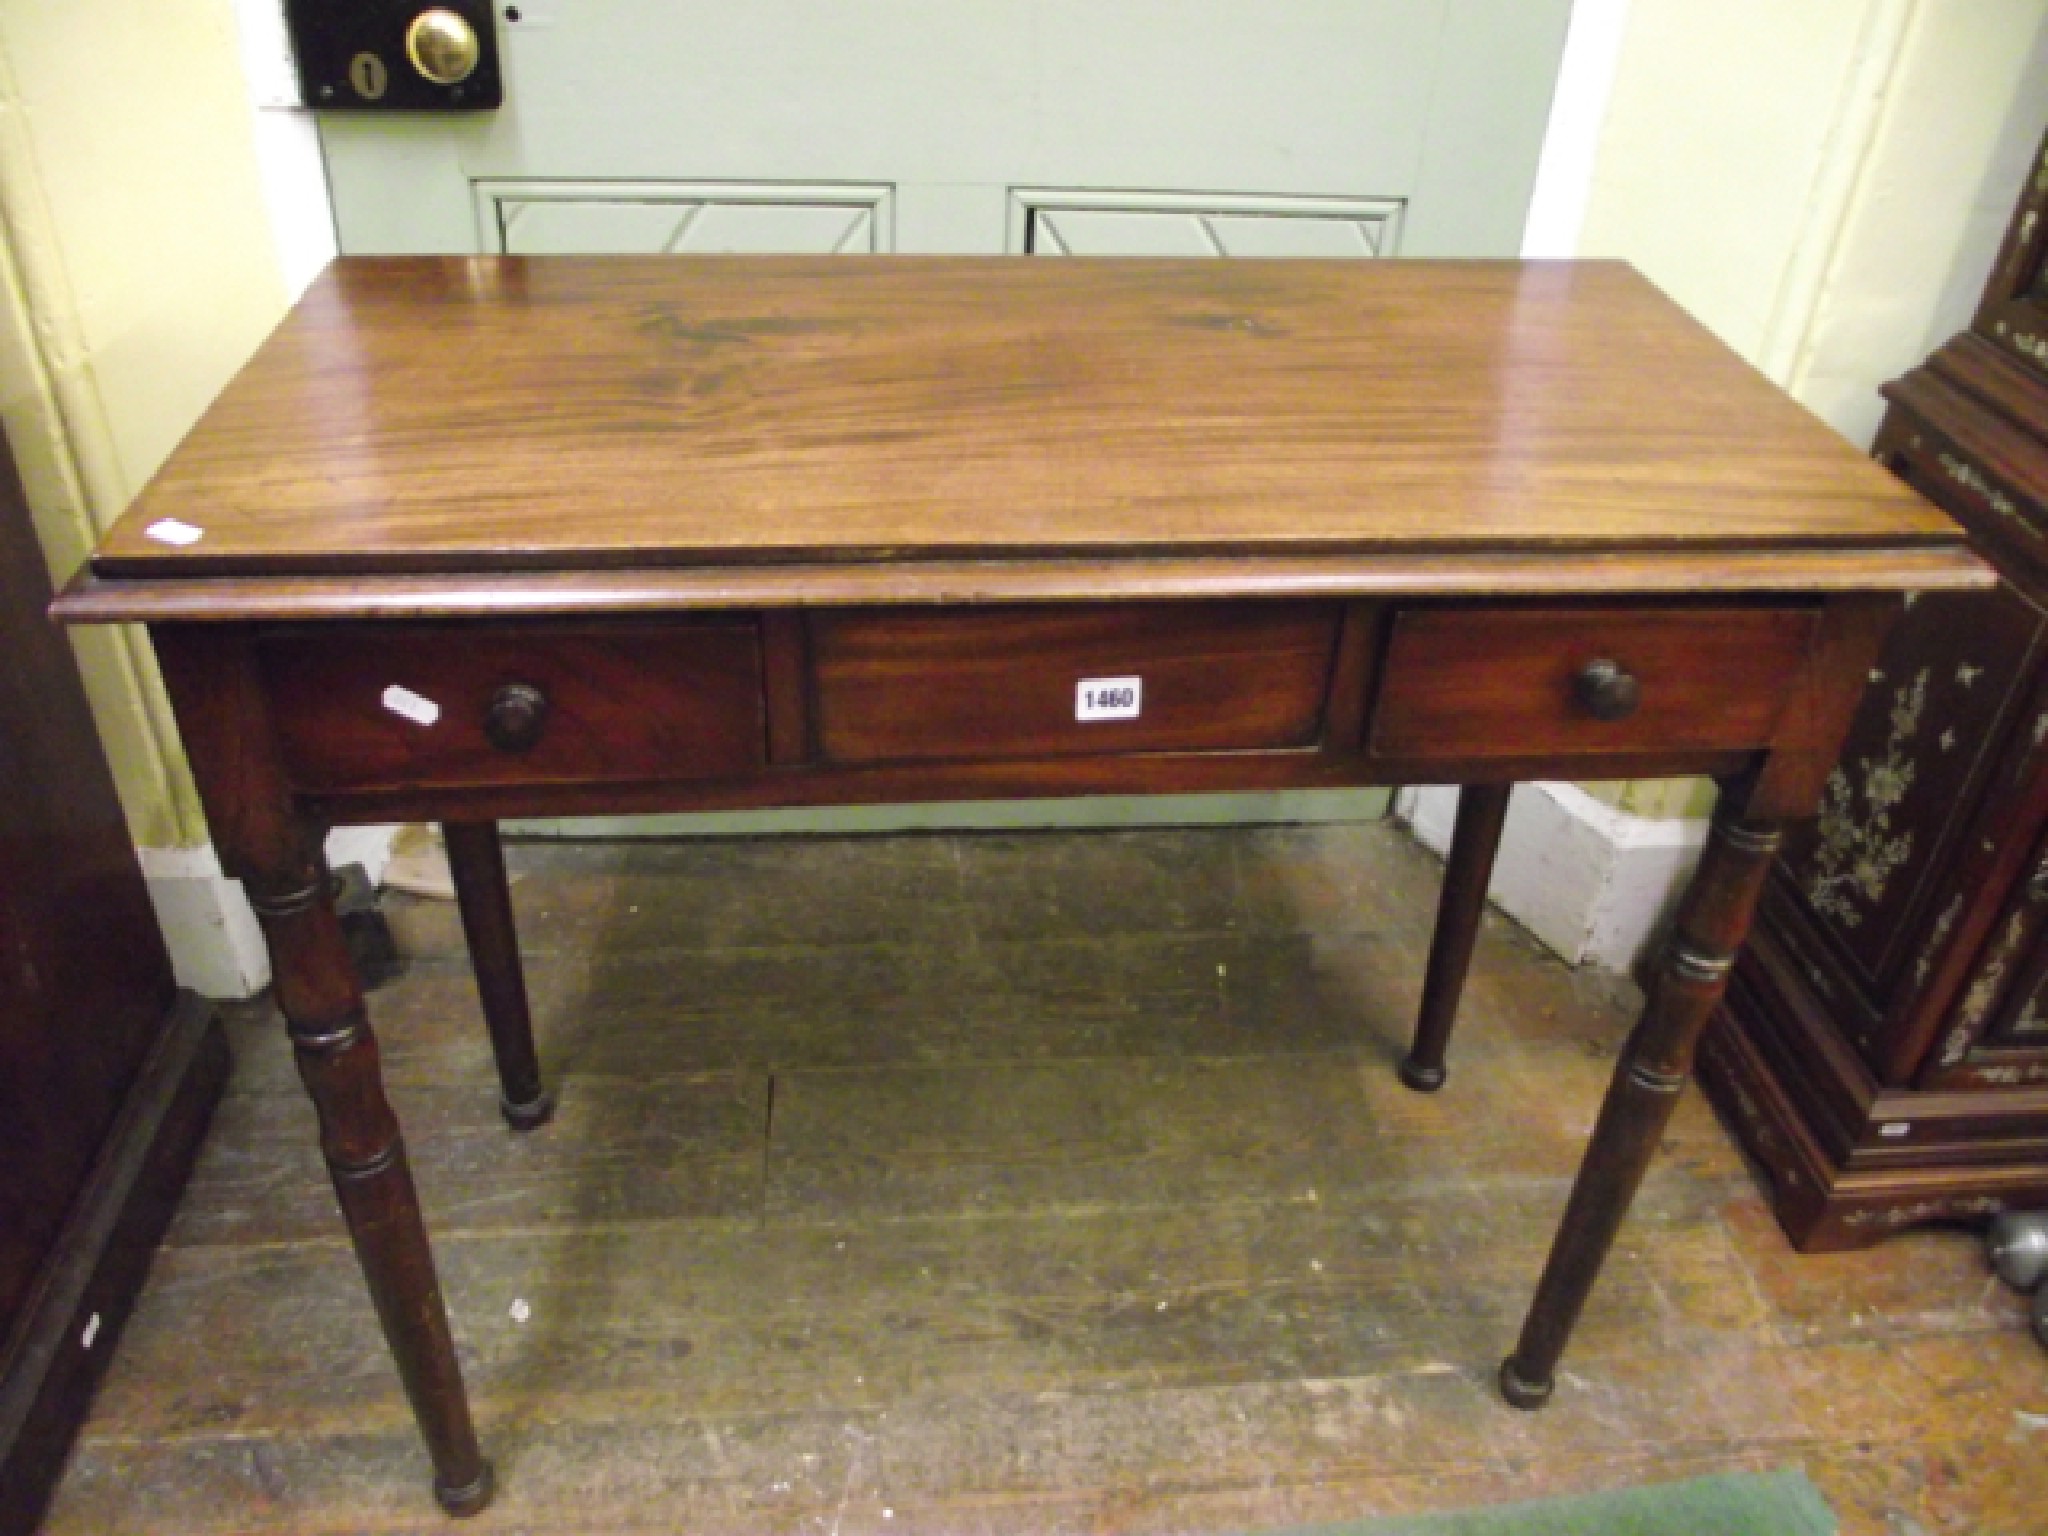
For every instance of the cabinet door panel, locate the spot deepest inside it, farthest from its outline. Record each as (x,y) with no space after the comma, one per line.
(84,977)
(1996,1035)
(1939,705)
(2023,1022)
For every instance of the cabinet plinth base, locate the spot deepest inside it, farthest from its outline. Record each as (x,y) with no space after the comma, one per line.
(1823,1205)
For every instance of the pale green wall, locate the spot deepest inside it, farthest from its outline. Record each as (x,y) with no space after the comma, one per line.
(1822,184)
(137,274)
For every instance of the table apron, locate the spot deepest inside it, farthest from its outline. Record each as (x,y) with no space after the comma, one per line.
(378,720)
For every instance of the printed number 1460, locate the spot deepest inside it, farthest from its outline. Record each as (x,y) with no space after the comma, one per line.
(1108,698)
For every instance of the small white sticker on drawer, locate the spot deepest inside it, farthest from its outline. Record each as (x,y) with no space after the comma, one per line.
(168,530)
(410,705)
(1108,698)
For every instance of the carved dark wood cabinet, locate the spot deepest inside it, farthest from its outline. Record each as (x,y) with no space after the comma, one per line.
(1884,1046)
(107,1071)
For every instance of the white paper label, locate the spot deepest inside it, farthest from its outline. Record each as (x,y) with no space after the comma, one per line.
(1108,698)
(530,15)
(403,701)
(1896,1129)
(169,530)
(92,1331)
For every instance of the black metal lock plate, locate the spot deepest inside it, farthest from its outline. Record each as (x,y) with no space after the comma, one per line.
(362,55)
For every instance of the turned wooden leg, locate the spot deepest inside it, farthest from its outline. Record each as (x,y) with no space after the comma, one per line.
(337,1058)
(1648,1078)
(216,682)
(1482,809)
(478,864)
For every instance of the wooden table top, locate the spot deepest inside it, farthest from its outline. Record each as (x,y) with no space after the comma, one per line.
(474,417)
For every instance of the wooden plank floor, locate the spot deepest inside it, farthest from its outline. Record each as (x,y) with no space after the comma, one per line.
(1023,1183)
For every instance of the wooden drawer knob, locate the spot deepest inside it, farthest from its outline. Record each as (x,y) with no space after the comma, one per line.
(514,720)
(1607,690)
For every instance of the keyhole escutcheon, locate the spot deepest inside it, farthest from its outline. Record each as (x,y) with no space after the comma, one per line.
(366,72)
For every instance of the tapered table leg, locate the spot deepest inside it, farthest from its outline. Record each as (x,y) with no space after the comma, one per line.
(1648,1078)
(477,862)
(216,683)
(1482,810)
(337,1058)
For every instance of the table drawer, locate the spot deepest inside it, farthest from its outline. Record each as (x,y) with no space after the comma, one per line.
(1066,681)
(1515,682)
(448,705)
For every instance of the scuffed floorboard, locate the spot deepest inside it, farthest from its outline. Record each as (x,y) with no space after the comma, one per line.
(1005,1184)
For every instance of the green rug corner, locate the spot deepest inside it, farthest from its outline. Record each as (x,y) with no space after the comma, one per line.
(1781,1503)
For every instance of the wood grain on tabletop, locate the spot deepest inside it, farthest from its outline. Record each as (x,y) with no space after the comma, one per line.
(476,412)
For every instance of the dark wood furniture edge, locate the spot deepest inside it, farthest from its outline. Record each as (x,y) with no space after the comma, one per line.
(1992,457)
(785,675)
(91,598)
(1854,1150)
(1841,1100)
(1475,840)
(49,1370)
(476,861)
(2003,314)
(1823,1205)
(1979,368)
(1691,977)
(268,842)
(1809,1113)
(1649,1074)
(196,562)
(1218,772)
(1361,640)
(1835,1084)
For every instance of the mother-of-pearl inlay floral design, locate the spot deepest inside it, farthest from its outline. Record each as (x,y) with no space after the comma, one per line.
(2031,1020)
(1949,1207)
(1984,991)
(2033,346)
(1936,937)
(1859,851)
(1971,478)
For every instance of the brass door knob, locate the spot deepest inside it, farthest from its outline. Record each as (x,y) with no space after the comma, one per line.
(514,719)
(442,46)
(1607,690)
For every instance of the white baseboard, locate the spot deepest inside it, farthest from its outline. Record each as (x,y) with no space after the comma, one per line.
(1592,883)
(367,846)
(216,947)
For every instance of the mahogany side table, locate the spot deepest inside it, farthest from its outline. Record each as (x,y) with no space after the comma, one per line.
(472,538)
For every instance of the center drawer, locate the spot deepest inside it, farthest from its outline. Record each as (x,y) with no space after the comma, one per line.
(1070,680)
(445,705)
